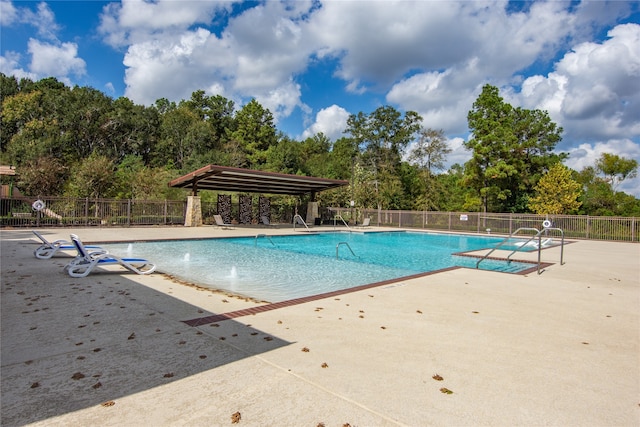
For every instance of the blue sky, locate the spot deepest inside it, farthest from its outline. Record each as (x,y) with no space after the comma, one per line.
(312,63)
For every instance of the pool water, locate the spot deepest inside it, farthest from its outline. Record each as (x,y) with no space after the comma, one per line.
(279,268)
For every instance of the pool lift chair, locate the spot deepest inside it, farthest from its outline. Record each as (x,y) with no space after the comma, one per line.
(86,261)
(48,249)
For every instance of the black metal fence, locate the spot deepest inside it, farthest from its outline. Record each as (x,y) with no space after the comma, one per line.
(573,226)
(64,212)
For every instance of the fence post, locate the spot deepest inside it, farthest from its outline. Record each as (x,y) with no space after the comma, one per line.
(510,223)
(128,212)
(165,212)
(587,227)
(86,211)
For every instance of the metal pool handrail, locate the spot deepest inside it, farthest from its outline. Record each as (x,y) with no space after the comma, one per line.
(538,234)
(347,245)
(255,242)
(297,219)
(338,216)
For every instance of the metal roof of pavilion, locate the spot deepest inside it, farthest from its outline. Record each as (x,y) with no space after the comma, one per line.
(224,178)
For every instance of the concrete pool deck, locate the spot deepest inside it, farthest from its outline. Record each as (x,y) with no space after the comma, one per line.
(560,348)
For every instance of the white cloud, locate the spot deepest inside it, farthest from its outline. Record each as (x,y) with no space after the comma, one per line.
(8,13)
(44,20)
(48,58)
(331,121)
(135,21)
(10,66)
(594,93)
(58,60)
(459,154)
(256,56)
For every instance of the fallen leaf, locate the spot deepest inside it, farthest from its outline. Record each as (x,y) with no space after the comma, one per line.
(235,418)
(437,377)
(107,404)
(445,390)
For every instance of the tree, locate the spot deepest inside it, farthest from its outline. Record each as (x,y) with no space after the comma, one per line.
(284,157)
(42,177)
(556,192)
(383,136)
(254,132)
(511,149)
(616,169)
(93,177)
(430,151)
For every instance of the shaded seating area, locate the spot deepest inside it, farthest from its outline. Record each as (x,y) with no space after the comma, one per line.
(239,180)
(86,261)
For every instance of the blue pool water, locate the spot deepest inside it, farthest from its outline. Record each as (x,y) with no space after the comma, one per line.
(279,268)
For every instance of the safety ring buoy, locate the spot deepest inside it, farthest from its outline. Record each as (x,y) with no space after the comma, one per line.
(546,223)
(38,205)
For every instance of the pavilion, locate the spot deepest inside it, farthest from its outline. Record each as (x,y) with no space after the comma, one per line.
(224,178)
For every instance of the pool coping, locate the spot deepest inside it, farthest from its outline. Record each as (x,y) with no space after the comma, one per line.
(205,320)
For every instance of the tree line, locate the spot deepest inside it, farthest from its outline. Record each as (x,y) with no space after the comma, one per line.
(79,142)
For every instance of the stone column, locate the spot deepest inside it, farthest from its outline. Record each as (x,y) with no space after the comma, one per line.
(312,212)
(193,218)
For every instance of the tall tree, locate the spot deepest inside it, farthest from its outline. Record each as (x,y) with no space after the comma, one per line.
(254,132)
(511,149)
(616,169)
(556,192)
(428,153)
(42,177)
(430,150)
(383,137)
(384,134)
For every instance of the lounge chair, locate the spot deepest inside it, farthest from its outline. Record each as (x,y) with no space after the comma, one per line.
(265,221)
(534,243)
(365,223)
(220,222)
(85,262)
(48,249)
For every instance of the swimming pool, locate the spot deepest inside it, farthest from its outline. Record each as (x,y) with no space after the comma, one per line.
(279,268)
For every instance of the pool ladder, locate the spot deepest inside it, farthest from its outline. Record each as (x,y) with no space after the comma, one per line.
(255,242)
(538,235)
(297,219)
(338,216)
(348,247)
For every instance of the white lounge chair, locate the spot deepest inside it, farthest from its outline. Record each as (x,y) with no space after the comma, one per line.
(534,243)
(220,222)
(85,262)
(49,249)
(365,223)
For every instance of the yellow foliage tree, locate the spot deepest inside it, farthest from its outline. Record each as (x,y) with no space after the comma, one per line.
(556,192)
